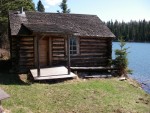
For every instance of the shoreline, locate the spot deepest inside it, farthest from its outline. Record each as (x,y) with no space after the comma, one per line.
(140,84)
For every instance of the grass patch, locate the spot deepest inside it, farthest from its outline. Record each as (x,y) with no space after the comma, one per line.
(76,96)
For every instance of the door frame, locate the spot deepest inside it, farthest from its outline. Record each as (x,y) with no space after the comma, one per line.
(49,51)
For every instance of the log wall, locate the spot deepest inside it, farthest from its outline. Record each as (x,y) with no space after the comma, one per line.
(93,52)
(22,53)
(58,51)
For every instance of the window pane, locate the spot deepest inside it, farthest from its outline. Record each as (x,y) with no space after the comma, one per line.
(74,48)
(73,45)
(74,42)
(74,52)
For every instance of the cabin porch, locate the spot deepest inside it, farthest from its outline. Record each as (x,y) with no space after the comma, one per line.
(52,73)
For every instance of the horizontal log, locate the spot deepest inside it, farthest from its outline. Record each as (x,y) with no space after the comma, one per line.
(61,58)
(92,47)
(93,43)
(89,61)
(93,68)
(57,55)
(58,39)
(26,51)
(27,47)
(93,54)
(92,40)
(88,65)
(26,60)
(93,51)
(26,39)
(89,58)
(26,42)
(26,55)
(58,47)
(58,52)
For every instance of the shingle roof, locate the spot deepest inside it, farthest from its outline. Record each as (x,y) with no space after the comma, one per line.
(48,28)
(82,25)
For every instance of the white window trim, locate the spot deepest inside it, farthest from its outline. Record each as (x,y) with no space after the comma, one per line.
(77,46)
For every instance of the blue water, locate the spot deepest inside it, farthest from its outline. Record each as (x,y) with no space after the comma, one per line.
(139,62)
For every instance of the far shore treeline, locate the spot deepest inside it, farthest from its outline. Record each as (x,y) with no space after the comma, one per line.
(133,31)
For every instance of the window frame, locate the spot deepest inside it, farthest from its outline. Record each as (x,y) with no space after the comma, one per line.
(76,45)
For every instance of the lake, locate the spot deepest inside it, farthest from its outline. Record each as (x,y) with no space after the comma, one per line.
(139,62)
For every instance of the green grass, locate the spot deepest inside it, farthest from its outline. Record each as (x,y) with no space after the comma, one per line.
(75,96)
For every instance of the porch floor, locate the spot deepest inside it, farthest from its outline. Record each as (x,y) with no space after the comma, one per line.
(52,73)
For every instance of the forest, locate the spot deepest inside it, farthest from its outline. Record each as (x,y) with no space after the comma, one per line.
(133,31)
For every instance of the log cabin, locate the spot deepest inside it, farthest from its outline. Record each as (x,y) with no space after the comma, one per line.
(39,40)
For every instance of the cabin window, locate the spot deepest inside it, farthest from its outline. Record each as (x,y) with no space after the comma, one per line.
(73,46)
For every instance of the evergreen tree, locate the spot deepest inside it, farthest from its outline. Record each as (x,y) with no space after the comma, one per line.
(132,31)
(5,6)
(64,7)
(121,60)
(40,7)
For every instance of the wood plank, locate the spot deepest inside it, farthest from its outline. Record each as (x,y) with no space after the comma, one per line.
(92,40)
(68,54)
(93,44)
(44,58)
(52,73)
(38,57)
(58,55)
(35,51)
(93,54)
(61,58)
(92,51)
(58,47)
(26,39)
(92,47)
(93,68)
(50,51)
(89,58)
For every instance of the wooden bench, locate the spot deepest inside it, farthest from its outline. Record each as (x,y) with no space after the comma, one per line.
(92,71)
(92,68)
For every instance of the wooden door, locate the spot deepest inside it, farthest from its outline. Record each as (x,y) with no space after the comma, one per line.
(43,47)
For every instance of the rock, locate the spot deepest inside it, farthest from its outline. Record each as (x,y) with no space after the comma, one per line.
(122,78)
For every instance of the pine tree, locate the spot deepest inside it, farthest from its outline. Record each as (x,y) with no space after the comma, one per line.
(5,6)
(64,7)
(40,7)
(132,31)
(121,60)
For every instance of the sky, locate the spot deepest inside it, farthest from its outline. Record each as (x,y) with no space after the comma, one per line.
(106,10)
